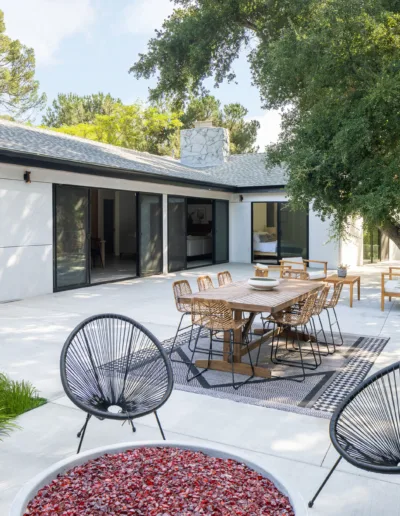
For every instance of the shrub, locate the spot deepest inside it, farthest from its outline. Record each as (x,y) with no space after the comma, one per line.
(16,397)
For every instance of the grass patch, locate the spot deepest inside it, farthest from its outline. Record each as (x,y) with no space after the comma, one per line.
(16,397)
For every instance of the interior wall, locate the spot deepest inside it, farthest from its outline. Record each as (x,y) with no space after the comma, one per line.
(259,217)
(127,223)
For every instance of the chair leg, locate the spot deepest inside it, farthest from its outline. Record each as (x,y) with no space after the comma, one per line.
(159,425)
(82,432)
(337,324)
(330,328)
(192,359)
(176,336)
(133,426)
(311,502)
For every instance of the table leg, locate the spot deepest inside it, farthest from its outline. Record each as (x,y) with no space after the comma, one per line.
(238,338)
(359,287)
(351,295)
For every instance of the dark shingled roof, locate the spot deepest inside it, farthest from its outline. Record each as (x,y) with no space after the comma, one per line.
(243,170)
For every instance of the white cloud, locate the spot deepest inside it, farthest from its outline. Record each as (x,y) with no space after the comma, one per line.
(144,16)
(43,24)
(270,128)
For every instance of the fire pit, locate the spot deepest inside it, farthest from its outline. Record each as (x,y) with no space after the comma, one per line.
(153,479)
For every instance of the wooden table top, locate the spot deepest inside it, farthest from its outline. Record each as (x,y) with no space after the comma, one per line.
(241,296)
(350,278)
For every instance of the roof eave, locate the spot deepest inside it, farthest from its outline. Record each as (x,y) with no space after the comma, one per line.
(48,162)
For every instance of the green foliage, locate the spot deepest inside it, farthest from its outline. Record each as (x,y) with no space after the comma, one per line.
(6,425)
(72,109)
(19,92)
(15,399)
(134,127)
(243,134)
(332,66)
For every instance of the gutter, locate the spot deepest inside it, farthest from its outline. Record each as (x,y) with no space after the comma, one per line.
(47,162)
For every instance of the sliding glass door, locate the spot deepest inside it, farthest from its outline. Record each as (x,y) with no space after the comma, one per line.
(71,231)
(293,232)
(278,232)
(177,233)
(221,231)
(150,234)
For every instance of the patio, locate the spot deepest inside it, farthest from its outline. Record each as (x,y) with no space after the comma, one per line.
(295,447)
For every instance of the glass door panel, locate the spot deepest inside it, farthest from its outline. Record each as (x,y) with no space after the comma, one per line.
(293,232)
(177,234)
(71,236)
(372,245)
(150,238)
(221,231)
(265,232)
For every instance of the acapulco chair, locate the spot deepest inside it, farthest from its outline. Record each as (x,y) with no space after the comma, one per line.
(365,428)
(113,368)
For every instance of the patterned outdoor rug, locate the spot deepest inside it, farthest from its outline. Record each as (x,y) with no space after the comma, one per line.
(320,393)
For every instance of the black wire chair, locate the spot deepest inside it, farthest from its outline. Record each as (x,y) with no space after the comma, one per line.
(114,368)
(365,429)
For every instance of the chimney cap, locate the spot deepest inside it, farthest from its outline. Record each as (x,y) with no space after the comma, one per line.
(203,123)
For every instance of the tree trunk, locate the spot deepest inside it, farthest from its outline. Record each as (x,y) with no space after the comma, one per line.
(392,231)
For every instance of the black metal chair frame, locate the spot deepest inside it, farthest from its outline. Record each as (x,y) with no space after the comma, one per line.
(300,349)
(210,352)
(331,324)
(104,414)
(388,400)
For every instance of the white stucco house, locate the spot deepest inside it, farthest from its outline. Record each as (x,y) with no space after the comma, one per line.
(75,212)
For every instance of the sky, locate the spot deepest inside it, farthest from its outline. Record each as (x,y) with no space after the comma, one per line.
(87,46)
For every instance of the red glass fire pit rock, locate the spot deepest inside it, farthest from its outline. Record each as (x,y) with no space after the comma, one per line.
(156,481)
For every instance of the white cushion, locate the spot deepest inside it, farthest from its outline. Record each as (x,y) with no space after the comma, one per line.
(256,238)
(261,266)
(316,274)
(392,286)
(297,259)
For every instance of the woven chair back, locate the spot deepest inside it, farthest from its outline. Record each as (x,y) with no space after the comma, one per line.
(295,274)
(297,318)
(321,301)
(180,289)
(333,301)
(365,429)
(111,360)
(224,278)
(261,273)
(212,314)
(204,283)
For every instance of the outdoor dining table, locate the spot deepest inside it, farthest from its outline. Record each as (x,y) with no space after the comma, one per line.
(242,298)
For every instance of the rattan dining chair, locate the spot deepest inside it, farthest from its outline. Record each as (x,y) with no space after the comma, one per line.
(180,288)
(331,305)
(365,428)
(261,271)
(204,283)
(316,314)
(216,316)
(112,367)
(292,320)
(224,278)
(295,274)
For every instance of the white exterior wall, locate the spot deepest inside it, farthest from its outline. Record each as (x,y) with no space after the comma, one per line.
(26,223)
(320,248)
(26,234)
(351,252)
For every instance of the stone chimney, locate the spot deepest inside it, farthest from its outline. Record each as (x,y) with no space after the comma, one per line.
(205,145)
